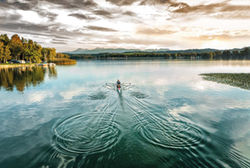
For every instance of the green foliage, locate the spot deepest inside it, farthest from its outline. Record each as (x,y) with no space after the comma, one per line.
(4,38)
(16,46)
(1,51)
(6,54)
(23,49)
(61,55)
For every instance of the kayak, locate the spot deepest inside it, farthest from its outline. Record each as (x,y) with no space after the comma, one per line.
(118,89)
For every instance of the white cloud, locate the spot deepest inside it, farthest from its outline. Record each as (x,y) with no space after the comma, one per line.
(32,17)
(72,92)
(187,26)
(39,96)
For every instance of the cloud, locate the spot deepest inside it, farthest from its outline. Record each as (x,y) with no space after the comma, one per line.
(73,4)
(233,8)
(122,2)
(143,42)
(103,13)
(10,17)
(17,5)
(71,93)
(39,96)
(31,4)
(98,28)
(221,37)
(154,31)
(58,42)
(51,16)
(24,27)
(170,3)
(81,16)
(235,15)
(129,13)
(79,22)
(212,8)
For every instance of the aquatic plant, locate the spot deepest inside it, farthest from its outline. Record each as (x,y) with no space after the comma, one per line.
(241,80)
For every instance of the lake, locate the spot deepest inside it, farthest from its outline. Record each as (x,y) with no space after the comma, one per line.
(165,116)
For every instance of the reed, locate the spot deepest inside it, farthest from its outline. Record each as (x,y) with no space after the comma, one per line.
(241,80)
(63,61)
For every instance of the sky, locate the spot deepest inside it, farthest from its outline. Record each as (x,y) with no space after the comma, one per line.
(134,24)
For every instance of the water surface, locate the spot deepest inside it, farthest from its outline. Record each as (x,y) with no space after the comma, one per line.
(166,116)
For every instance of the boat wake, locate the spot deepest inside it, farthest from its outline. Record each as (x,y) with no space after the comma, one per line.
(100,131)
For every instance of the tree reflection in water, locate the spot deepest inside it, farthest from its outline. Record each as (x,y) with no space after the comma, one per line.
(20,78)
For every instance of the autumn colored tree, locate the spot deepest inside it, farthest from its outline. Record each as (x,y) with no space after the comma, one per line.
(1,51)
(52,54)
(6,54)
(45,53)
(20,48)
(4,38)
(16,46)
(61,55)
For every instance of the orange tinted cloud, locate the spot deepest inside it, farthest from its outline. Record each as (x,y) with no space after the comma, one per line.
(154,31)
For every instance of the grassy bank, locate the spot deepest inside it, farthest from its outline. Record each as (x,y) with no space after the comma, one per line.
(241,80)
(63,61)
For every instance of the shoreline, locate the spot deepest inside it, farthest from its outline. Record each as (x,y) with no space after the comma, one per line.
(5,66)
(16,65)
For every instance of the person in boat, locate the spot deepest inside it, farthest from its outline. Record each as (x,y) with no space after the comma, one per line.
(118,84)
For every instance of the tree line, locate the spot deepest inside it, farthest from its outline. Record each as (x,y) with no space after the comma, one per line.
(237,54)
(25,49)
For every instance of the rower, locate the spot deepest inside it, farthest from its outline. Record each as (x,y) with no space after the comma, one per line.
(118,84)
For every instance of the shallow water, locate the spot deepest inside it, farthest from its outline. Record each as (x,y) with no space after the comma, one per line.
(165,116)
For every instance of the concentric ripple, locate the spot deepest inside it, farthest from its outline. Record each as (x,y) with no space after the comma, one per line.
(162,129)
(138,95)
(171,134)
(98,96)
(84,134)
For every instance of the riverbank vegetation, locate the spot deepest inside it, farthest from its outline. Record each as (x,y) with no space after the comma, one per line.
(17,48)
(241,80)
(63,61)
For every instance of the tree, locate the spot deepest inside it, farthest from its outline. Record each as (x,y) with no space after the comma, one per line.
(7,54)
(45,53)
(52,54)
(1,51)
(16,46)
(61,55)
(245,52)
(211,55)
(4,38)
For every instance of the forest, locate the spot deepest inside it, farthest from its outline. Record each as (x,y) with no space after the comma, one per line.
(16,48)
(207,54)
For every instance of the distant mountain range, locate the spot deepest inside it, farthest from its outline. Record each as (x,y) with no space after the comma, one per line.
(123,50)
(111,50)
(101,50)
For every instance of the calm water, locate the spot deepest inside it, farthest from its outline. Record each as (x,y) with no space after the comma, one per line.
(166,116)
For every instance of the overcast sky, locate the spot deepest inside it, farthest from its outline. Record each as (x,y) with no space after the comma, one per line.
(174,24)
